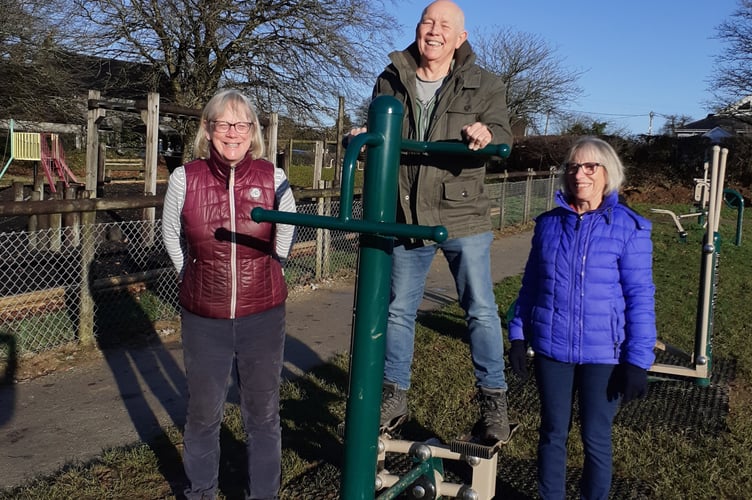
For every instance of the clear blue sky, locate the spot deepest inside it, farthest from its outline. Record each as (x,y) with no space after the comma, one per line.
(638,56)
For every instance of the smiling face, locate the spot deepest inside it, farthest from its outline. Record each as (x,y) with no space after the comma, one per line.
(587,190)
(231,145)
(440,32)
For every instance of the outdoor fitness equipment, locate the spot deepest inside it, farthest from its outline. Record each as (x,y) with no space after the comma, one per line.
(701,359)
(368,343)
(34,146)
(704,186)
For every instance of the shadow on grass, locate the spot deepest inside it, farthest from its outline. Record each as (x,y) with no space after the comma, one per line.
(142,364)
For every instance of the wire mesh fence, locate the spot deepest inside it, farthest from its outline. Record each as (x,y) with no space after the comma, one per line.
(115,283)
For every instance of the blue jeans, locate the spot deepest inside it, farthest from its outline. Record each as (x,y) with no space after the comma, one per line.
(211,347)
(557,384)
(469,260)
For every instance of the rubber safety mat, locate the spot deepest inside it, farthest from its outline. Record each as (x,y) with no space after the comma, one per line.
(673,404)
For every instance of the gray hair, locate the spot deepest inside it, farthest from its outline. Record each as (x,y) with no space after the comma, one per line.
(603,153)
(221,101)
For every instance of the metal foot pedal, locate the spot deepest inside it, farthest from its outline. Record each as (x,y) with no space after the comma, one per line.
(473,446)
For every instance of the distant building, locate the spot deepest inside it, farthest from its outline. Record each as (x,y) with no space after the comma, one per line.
(729,122)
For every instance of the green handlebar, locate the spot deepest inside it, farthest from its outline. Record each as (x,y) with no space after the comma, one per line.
(459,148)
(435,233)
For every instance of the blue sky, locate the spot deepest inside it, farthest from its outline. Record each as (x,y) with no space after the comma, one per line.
(638,56)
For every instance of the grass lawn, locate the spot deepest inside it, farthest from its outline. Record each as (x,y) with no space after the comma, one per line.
(683,441)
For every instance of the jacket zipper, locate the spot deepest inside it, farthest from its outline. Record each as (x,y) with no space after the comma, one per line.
(577,329)
(233,250)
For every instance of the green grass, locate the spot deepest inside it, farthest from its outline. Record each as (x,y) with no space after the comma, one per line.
(302,176)
(668,462)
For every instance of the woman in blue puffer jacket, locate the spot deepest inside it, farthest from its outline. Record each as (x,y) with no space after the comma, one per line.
(587,309)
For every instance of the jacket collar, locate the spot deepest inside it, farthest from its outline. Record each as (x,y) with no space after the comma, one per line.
(410,57)
(221,169)
(606,208)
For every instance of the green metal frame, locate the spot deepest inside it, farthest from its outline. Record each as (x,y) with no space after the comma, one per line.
(378,229)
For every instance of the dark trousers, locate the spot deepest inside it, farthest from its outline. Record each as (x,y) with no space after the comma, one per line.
(557,385)
(254,345)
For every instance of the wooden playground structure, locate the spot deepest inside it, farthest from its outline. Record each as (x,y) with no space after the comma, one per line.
(43,147)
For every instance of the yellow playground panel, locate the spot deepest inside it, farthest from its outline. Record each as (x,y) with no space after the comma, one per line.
(42,147)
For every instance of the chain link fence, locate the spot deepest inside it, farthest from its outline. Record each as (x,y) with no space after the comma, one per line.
(127,291)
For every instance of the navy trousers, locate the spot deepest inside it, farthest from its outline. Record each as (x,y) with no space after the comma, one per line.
(558,383)
(254,345)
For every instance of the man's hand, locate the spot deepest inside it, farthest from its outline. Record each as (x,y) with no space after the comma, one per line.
(477,135)
(353,132)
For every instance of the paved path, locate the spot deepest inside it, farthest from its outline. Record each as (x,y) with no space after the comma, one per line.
(127,396)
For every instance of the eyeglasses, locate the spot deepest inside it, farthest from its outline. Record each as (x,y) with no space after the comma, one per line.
(240,127)
(588,168)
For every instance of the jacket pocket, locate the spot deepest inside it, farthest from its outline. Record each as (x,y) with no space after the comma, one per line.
(462,201)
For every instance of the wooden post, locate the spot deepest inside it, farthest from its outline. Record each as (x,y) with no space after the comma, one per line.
(318,162)
(56,221)
(33,224)
(528,195)
(86,300)
(18,191)
(503,200)
(151,118)
(93,117)
(273,131)
(72,221)
(338,142)
(101,174)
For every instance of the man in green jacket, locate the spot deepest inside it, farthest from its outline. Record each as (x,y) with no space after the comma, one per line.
(446,97)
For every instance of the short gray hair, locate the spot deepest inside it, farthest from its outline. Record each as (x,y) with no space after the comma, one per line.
(603,153)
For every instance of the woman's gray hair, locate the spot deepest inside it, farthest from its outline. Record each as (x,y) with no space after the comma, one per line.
(221,101)
(601,152)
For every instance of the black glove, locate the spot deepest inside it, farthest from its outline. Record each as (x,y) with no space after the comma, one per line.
(518,358)
(634,382)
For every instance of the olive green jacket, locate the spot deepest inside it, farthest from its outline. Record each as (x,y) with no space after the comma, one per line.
(446,189)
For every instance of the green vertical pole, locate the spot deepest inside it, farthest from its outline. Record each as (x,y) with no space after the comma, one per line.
(371,303)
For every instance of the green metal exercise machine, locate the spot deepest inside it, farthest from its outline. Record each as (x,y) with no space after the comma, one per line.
(378,229)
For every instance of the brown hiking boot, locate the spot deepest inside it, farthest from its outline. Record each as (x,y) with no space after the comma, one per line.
(494,422)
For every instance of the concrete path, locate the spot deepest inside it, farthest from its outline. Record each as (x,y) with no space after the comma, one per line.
(127,395)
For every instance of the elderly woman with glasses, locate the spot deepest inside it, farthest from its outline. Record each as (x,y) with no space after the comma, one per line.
(587,309)
(232,291)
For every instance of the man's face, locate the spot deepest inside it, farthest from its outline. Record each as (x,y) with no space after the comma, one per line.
(440,32)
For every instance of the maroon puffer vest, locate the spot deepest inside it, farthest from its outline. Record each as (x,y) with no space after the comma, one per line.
(229,271)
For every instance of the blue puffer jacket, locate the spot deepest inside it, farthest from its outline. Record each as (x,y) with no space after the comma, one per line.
(587,294)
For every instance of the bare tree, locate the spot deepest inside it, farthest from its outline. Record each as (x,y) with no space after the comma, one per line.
(537,82)
(34,83)
(293,57)
(674,122)
(732,81)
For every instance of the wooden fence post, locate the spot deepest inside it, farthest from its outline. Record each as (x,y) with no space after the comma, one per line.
(72,221)
(56,222)
(93,117)
(318,162)
(503,200)
(85,298)
(528,195)
(552,178)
